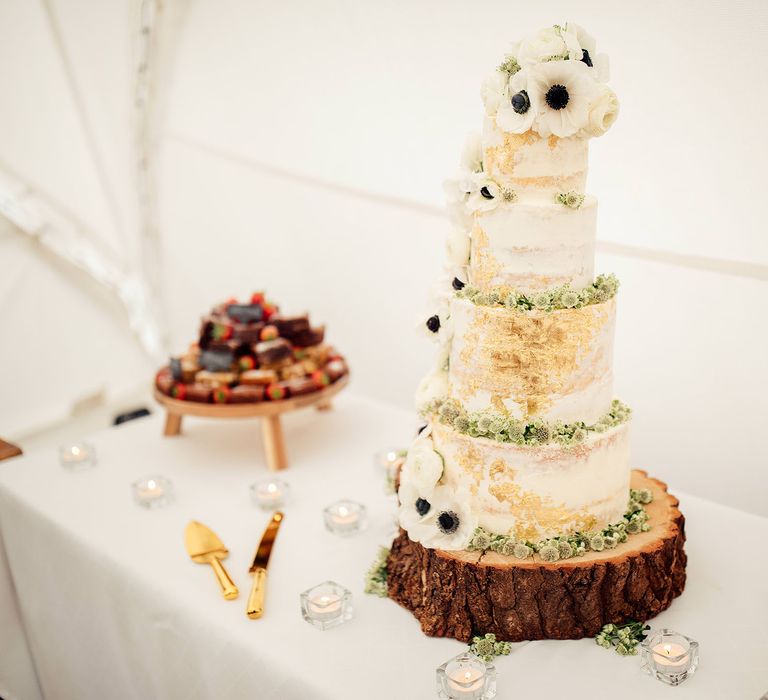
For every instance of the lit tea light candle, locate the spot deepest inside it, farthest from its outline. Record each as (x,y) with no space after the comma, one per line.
(384,460)
(269,493)
(345,517)
(153,491)
(465,684)
(388,463)
(466,677)
(672,656)
(326,605)
(78,456)
(669,656)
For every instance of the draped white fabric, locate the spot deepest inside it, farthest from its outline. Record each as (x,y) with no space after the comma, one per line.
(114,608)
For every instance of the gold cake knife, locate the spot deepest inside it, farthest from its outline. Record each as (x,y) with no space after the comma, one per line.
(255,607)
(204,546)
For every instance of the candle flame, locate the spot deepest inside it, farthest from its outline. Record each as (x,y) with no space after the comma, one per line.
(152,484)
(343,510)
(272,488)
(75,451)
(467,676)
(667,649)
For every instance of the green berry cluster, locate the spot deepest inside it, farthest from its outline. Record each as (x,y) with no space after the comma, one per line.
(573,200)
(494,426)
(376,576)
(634,521)
(601,290)
(487,648)
(625,638)
(509,65)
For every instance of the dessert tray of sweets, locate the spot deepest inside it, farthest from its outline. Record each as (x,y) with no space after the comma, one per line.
(251,361)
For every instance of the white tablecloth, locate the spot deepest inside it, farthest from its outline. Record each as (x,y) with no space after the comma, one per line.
(113,608)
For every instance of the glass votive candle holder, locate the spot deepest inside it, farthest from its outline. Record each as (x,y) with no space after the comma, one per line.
(153,491)
(345,517)
(466,677)
(79,455)
(269,494)
(669,656)
(326,605)
(387,463)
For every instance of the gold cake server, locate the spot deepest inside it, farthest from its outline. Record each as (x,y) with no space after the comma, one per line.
(255,607)
(204,546)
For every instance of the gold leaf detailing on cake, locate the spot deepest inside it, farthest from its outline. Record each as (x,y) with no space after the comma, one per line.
(470,461)
(483,264)
(498,403)
(552,142)
(531,357)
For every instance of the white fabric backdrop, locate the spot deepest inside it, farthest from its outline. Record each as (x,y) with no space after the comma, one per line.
(301,147)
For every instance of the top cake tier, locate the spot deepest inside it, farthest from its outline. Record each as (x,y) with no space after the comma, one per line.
(521,182)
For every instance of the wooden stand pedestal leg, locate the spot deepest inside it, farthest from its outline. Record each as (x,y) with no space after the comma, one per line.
(274,447)
(172,424)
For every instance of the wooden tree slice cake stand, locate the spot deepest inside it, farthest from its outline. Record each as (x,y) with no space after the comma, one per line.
(268,411)
(461,594)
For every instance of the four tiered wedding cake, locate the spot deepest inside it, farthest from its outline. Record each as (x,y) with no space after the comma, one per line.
(516,510)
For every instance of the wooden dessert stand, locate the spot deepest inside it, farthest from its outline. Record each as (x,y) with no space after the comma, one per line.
(268,411)
(460,594)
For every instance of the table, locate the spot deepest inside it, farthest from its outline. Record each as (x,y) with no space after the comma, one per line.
(111,607)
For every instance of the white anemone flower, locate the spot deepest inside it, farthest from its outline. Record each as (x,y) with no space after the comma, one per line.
(445,519)
(581,47)
(567,91)
(457,190)
(577,41)
(413,512)
(494,91)
(543,46)
(423,465)
(517,113)
(486,195)
(472,154)
(458,247)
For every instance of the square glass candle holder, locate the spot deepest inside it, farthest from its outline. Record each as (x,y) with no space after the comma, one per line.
(669,656)
(80,455)
(326,605)
(270,494)
(466,677)
(153,491)
(345,517)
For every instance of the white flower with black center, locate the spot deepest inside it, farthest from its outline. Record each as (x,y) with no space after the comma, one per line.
(581,47)
(458,190)
(578,43)
(517,113)
(567,92)
(546,45)
(415,513)
(453,523)
(486,196)
(423,465)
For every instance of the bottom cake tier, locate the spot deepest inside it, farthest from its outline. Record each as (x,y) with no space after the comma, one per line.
(460,594)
